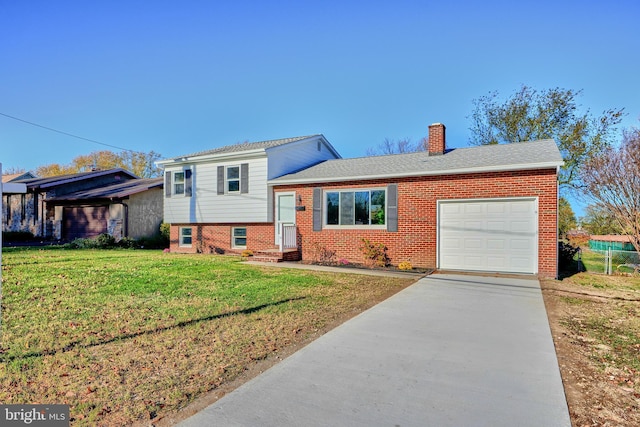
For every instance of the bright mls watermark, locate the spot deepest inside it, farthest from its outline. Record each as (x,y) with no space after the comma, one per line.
(34,415)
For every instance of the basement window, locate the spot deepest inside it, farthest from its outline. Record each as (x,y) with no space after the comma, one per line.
(185,236)
(239,238)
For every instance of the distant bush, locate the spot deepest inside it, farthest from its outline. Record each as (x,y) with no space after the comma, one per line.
(566,254)
(17,236)
(159,241)
(106,241)
(165,231)
(103,241)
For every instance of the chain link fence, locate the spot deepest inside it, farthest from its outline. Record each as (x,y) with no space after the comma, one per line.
(608,261)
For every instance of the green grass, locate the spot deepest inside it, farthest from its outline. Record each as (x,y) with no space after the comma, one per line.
(593,262)
(125,336)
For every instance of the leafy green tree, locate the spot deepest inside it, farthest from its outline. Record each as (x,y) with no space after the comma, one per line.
(599,221)
(530,115)
(141,164)
(566,217)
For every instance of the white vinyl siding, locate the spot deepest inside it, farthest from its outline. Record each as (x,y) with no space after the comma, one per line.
(291,158)
(254,201)
(207,206)
(496,235)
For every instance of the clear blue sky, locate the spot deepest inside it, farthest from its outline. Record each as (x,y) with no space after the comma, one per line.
(180,77)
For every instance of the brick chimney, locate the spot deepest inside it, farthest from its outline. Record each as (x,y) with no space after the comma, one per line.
(436,139)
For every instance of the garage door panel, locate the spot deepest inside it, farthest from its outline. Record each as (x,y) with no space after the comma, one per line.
(474,262)
(472,209)
(496,263)
(521,207)
(495,208)
(471,244)
(488,235)
(452,244)
(521,227)
(451,209)
(496,244)
(496,225)
(521,244)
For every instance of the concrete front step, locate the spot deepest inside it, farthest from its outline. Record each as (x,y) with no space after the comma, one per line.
(275,255)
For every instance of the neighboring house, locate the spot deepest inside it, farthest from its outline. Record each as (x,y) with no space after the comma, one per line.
(85,205)
(487,208)
(12,177)
(611,241)
(128,209)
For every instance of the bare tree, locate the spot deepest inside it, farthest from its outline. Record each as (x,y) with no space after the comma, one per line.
(612,179)
(392,146)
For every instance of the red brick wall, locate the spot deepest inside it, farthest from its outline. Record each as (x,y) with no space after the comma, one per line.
(212,238)
(416,239)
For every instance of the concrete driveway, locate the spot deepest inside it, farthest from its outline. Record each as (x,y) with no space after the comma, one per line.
(450,350)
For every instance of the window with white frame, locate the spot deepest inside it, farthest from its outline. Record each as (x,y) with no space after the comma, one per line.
(362,207)
(239,237)
(178,182)
(185,236)
(233,179)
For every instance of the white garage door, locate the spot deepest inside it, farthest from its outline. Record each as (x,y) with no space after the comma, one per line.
(488,235)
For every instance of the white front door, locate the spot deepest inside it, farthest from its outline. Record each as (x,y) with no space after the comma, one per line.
(285,211)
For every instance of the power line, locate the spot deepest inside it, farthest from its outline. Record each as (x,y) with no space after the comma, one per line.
(66,133)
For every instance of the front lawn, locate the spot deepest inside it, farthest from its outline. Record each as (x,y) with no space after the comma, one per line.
(129,336)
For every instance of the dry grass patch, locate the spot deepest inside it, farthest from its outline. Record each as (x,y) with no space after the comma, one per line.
(596,329)
(129,337)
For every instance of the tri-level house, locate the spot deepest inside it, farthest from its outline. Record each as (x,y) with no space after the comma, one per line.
(488,208)
(221,201)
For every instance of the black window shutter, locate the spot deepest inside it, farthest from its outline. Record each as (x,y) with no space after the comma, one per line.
(317,209)
(167,184)
(392,207)
(220,179)
(244,178)
(187,183)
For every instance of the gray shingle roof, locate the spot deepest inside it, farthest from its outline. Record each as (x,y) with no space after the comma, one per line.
(115,191)
(523,155)
(245,146)
(52,181)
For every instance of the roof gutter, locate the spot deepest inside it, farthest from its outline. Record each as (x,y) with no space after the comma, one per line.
(222,157)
